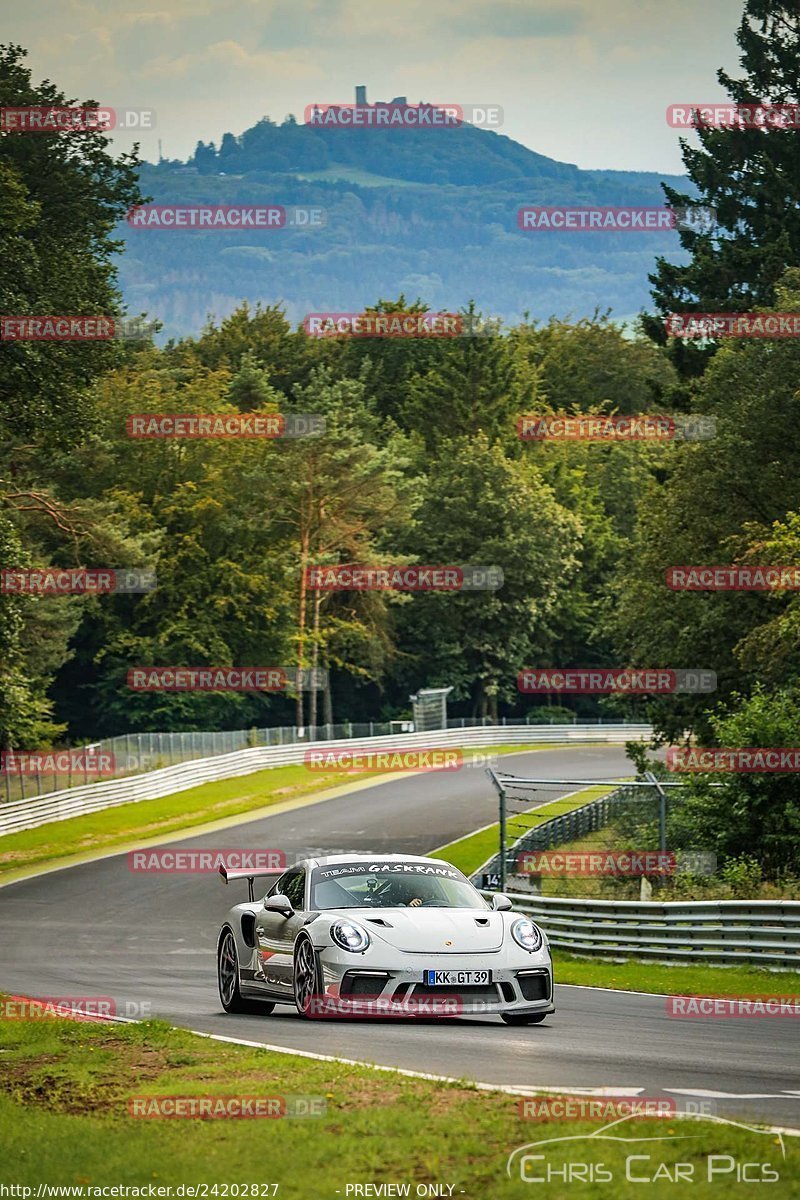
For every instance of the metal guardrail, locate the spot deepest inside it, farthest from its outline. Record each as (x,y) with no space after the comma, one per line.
(762,933)
(134,753)
(76,801)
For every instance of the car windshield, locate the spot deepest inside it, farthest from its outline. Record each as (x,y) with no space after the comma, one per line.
(392,885)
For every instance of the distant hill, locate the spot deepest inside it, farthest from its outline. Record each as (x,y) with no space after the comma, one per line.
(431,213)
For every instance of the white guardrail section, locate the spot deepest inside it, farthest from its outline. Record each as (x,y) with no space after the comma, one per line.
(752,932)
(92,797)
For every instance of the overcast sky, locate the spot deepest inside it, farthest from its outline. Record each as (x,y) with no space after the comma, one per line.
(584,81)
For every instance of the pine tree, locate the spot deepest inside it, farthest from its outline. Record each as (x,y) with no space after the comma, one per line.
(751,176)
(250,388)
(205,158)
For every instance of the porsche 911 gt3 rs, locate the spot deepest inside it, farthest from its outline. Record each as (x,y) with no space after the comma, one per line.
(366,935)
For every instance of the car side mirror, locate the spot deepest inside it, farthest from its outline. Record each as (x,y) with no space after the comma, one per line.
(282,904)
(501,903)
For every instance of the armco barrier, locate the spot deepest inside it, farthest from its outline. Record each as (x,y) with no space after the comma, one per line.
(134,753)
(92,797)
(762,933)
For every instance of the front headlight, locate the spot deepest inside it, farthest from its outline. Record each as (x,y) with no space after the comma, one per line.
(349,936)
(527,935)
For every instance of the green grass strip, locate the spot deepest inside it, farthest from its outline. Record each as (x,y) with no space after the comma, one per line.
(694,979)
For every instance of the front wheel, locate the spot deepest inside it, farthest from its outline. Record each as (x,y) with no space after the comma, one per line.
(228,980)
(523,1018)
(305,978)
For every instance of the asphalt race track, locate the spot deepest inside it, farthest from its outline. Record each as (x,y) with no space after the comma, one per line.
(98,929)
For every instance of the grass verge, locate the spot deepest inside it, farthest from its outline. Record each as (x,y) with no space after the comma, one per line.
(148,819)
(65,1121)
(695,979)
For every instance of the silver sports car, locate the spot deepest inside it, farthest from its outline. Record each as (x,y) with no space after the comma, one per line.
(397,935)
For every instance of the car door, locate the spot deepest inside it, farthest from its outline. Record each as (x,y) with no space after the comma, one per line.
(275,933)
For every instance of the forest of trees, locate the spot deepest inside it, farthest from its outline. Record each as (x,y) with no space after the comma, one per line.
(420,463)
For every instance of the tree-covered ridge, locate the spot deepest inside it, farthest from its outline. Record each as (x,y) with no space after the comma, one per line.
(414,211)
(464,155)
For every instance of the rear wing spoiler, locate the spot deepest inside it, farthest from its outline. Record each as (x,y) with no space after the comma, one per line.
(229,874)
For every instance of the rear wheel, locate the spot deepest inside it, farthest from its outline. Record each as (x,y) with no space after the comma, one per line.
(524,1018)
(228,980)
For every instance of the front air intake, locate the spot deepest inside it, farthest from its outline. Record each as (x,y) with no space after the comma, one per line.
(363,983)
(534,985)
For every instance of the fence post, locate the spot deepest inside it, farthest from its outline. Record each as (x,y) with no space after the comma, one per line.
(662,819)
(502,840)
(662,811)
(502,824)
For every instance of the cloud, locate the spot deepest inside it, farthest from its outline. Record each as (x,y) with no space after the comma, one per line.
(511,20)
(229,60)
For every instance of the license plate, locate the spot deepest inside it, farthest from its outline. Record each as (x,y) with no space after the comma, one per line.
(455,978)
